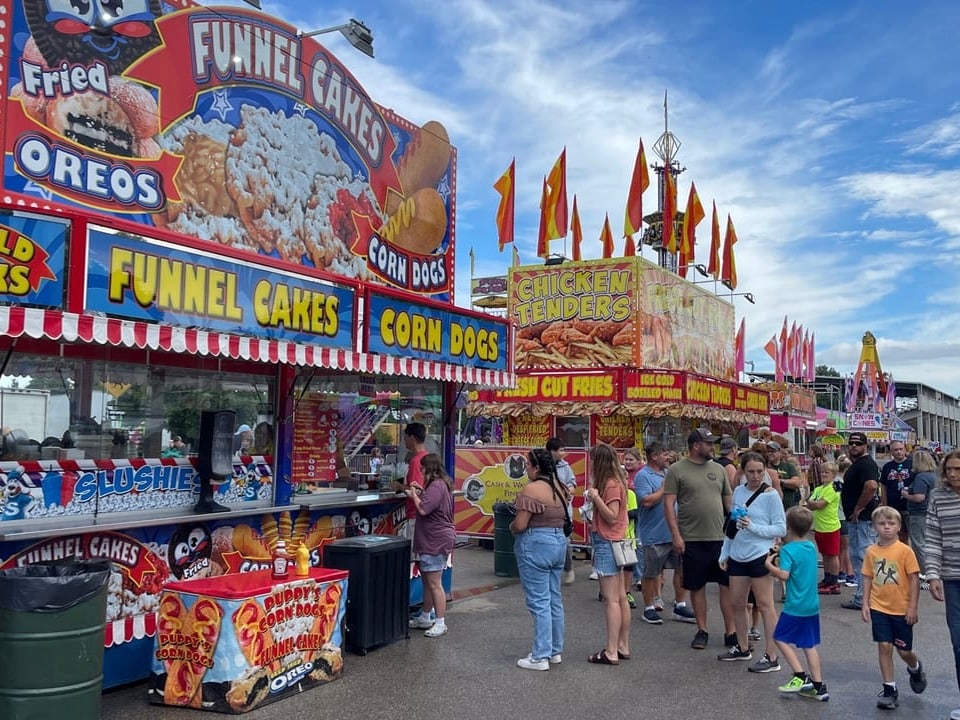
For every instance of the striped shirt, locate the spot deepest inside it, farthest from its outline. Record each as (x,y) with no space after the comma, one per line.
(943,535)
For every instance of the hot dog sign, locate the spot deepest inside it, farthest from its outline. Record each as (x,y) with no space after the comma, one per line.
(227,126)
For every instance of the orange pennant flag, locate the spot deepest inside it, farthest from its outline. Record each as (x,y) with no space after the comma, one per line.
(543,245)
(505,210)
(557,199)
(728,274)
(740,348)
(577,230)
(714,265)
(669,210)
(639,182)
(691,218)
(606,237)
(629,247)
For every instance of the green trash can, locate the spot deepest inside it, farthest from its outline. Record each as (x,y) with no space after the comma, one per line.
(51,640)
(504,561)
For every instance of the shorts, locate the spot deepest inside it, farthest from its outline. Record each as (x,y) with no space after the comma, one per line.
(828,543)
(844,527)
(432,563)
(659,558)
(603,562)
(891,629)
(752,568)
(701,564)
(800,631)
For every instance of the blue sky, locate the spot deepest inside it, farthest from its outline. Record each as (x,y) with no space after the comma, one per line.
(829,131)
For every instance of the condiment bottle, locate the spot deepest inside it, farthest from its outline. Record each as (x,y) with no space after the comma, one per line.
(280,560)
(303,561)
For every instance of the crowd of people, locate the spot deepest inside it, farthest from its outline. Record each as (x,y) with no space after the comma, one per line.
(750,521)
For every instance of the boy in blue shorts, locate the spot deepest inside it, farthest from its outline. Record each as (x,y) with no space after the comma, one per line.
(795,565)
(891,592)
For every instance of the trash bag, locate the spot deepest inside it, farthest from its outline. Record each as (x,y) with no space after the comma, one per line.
(504,508)
(52,587)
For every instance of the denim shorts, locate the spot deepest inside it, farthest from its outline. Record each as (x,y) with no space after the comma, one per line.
(432,563)
(603,561)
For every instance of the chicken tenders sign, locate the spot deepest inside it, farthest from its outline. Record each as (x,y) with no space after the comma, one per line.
(225,125)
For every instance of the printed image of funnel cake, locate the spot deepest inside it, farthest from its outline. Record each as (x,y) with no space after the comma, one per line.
(287,179)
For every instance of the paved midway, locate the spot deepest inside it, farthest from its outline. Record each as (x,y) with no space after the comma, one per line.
(471,672)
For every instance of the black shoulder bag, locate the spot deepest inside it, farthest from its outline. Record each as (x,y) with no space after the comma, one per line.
(729,524)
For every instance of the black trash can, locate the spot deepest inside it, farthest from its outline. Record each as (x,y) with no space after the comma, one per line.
(52,619)
(504,561)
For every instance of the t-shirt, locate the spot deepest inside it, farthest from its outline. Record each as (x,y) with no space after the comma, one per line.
(922,482)
(617,530)
(857,475)
(700,489)
(826,519)
(414,478)
(435,533)
(791,496)
(651,524)
(799,558)
(631,505)
(893,477)
(889,567)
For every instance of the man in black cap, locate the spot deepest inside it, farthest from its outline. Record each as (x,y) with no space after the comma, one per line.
(728,459)
(859,497)
(702,495)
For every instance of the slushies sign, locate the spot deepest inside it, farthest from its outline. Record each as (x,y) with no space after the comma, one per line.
(224,125)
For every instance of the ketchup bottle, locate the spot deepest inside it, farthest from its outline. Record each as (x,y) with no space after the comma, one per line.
(280,560)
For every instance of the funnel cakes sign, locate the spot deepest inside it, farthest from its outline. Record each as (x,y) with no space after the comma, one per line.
(226,126)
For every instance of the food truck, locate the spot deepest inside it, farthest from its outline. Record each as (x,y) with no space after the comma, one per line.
(202,210)
(620,351)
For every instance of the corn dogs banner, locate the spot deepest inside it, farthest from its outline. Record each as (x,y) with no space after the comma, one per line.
(618,312)
(223,125)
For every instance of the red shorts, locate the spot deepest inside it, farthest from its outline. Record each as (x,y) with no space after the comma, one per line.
(828,543)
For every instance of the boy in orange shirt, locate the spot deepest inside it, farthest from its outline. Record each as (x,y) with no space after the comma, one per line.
(891,584)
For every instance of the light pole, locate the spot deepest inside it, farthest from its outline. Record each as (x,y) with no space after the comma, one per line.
(356,33)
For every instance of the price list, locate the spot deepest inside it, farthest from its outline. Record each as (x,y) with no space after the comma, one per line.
(316,428)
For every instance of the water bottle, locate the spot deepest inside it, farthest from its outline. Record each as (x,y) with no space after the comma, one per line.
(738,512)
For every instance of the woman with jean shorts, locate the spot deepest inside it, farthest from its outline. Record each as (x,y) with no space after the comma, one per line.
(541,548)
(608,493)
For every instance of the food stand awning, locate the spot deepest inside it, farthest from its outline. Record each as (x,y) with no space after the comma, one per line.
(40,323)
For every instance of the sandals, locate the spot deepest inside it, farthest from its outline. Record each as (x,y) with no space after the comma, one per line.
(623,656)
(600,658)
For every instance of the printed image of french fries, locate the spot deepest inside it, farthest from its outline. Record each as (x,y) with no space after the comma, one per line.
(575,343)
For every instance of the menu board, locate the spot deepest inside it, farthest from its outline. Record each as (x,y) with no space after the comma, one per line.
(316,429)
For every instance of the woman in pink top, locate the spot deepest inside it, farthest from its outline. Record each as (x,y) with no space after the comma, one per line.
(608,493)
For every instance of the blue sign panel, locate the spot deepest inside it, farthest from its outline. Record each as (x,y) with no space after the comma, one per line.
(32,259)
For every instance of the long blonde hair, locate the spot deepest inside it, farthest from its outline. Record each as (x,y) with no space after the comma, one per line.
(605,466)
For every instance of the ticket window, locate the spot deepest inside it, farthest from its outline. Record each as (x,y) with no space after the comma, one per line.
(574,431)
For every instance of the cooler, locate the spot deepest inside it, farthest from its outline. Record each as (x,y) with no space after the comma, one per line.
(378,597)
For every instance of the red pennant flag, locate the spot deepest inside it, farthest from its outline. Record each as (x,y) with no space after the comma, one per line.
(782,354)
(739,347)
(714,266)
(606,237)
(691,218)
(506,187)
(792,351)
(577,230)
(639,181)
(805,355)
(516,256)
(812,358)
(543,245)
(629,247)
(557,198)
(728,273)
(771,348)
(669,210)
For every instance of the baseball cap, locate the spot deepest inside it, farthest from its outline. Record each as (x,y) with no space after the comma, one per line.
(242,429)
(774,445)
(701,436)
(727,444)
(857,437)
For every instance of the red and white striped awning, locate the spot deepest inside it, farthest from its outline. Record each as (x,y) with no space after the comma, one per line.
(72,327)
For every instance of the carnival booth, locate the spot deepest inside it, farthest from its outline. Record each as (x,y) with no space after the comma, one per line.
(619,351)
(213,215)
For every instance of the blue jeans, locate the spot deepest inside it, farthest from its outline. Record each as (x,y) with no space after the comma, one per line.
(862,536)
(951,600)
(540,554)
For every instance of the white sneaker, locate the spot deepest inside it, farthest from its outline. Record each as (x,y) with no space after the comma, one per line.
(556,659)
(436,631)
(569,577)
(528,663)
(420,622)
(594,576)
(955,714)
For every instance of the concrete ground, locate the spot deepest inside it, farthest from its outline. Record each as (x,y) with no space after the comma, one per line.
(471,672)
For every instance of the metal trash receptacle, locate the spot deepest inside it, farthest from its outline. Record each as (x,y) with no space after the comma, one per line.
(52,619)
(504,560)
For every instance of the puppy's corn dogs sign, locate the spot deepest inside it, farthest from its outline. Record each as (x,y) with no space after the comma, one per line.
(223,125)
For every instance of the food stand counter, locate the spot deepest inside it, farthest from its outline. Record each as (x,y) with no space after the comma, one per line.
(236,642)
